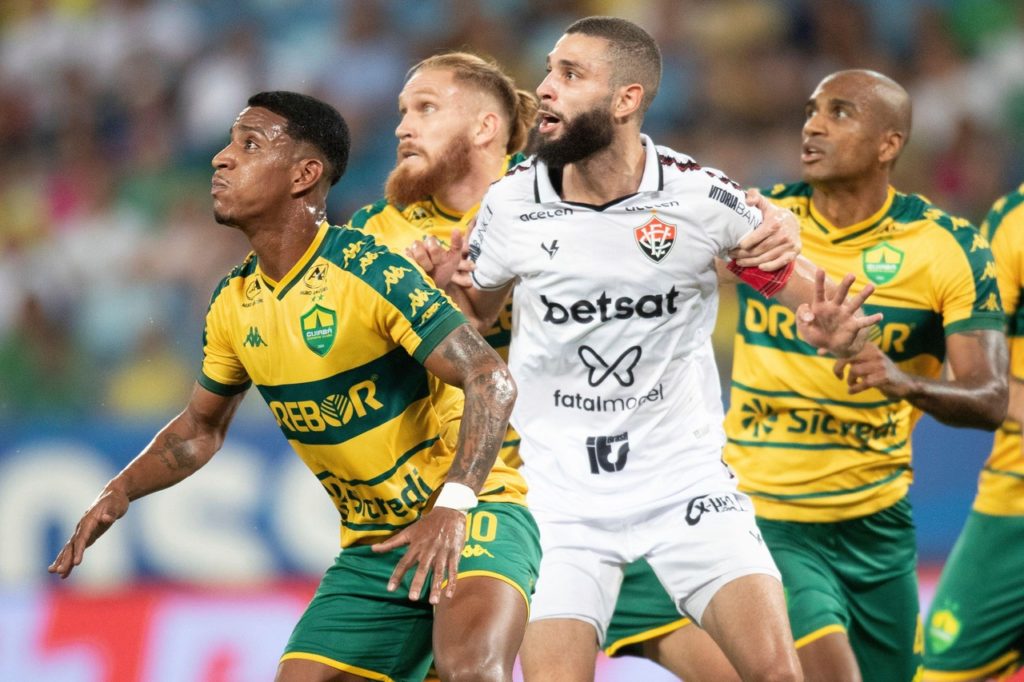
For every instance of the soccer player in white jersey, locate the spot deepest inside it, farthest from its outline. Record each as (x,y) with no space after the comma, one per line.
(620,408)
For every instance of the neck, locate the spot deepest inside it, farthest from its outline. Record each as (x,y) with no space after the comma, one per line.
(848,203)
(613,172)
(280,243)
(466,192)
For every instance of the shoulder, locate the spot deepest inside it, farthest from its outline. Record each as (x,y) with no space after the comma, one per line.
(235,278)
(683,171)
(361,217)
(781,190)
(1006,215)
(518,183)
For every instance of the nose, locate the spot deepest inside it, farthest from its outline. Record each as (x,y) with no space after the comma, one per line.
(546,90)
(404,130)
(223,158)
(814,124)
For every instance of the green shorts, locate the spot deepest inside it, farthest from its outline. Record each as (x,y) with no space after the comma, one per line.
(354,624)
(976,624)
(858,577)
(643,611)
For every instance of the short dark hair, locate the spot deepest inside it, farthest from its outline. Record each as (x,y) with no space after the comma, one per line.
(635,54)
(313,121)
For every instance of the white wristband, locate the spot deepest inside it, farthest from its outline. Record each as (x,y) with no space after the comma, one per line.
(456,496)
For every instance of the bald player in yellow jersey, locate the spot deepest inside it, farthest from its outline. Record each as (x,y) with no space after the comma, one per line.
(828,462)
(975,630)
(338,334)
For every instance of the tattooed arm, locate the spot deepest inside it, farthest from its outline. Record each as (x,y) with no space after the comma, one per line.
(974,395)
(179,449)
(435,541)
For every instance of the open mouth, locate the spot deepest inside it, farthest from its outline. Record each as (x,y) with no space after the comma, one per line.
(547,122)
(407,153)
(810,153)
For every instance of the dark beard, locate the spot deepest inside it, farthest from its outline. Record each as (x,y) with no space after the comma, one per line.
(584,135)
(405,186)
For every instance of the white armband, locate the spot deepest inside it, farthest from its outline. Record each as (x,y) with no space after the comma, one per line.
(456,496)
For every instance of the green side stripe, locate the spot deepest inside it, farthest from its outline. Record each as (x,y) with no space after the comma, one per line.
(816,446)
(226,390)
(377,526)
(1000,472)
(830,493)
(363,215)
(383,476)
(514,443)
(820,401)
(979,320)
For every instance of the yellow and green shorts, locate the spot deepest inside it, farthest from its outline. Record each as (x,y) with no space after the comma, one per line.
(858,577)
(975,628)
(643,611)
(354,624)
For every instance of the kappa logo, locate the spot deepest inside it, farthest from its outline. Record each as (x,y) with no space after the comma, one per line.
(393,275)
(600,369)
(550,250)
(655,238)
(254,338)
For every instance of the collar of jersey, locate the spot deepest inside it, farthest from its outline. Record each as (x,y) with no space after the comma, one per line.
(852,231)
(299,269)
(544,191)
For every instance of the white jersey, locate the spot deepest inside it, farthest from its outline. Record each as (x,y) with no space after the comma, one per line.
(619,404)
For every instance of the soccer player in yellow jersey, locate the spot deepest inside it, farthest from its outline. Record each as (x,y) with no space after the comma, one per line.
(827,462)
(338,334)
(975,629)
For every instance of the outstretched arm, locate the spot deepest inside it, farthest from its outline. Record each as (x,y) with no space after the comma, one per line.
(436,539)
(179,449)
(975,394)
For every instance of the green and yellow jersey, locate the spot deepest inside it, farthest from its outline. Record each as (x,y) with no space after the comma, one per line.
(397,228)
(803,447)
(1001,484)
(335,348)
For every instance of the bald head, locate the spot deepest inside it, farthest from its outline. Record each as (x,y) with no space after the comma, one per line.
(885,100)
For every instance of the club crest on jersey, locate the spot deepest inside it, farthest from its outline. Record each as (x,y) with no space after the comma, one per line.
(655,238)
(319,326)
(882,262)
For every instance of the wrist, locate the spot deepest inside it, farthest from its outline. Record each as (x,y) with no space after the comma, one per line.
(456,496)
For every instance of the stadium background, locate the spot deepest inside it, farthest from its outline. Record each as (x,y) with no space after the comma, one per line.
(109,113)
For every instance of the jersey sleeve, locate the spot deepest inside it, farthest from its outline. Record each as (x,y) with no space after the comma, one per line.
(489,245)
(222,371)
(404,303)
(731,216)
(1006,231)
(966,284)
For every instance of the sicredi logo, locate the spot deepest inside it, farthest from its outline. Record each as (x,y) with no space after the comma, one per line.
(606,308)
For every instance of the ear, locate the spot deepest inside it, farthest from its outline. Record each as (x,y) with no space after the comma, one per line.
(488,127)
(308,172)
(627,100)
(891,146)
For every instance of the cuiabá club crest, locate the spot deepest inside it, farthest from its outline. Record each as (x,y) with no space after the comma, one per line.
(655,238)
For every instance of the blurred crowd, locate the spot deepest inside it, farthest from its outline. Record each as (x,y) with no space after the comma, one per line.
(110,111)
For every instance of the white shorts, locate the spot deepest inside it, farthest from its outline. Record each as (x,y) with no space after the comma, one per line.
(694,548)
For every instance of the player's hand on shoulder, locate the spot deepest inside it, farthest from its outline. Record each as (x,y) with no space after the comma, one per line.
(108,508)
(774,243)
(435,543)
(835,324)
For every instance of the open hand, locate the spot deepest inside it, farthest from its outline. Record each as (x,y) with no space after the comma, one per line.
(443,265)
(435,543)
(108,508)
(835,324)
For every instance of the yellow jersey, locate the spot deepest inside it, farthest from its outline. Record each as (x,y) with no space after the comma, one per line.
(397,228)
(803,447)
(1001,483)
(335,349)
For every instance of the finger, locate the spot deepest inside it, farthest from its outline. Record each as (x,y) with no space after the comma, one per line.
(757,235)
(858,300)
(418,579)
(868,320)
(462,279)
(438,580)
(453,571)
(819,286)
(840,367)
(843,289)
(769,249)
(400,570)
(456,244)
(60,564)
(391,543)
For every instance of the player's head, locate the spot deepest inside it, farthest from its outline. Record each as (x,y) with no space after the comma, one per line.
(284,146)
(856,124)
(454,106)
(602,75)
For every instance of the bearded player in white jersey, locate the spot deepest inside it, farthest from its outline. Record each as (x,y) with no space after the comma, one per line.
(612,244)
